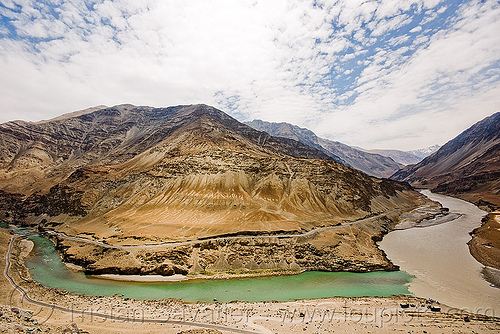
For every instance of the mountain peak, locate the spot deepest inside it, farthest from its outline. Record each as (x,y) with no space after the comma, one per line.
(74,114)
(114,135)
(424,152)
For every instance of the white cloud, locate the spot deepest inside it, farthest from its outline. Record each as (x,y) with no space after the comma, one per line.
(434,90)
(416,29)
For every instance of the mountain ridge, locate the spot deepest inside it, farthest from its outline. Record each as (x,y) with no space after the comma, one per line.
(402,157)
(466,166)
(371,163)
(66,138)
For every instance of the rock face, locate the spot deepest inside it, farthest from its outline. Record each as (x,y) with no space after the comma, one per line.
(371,163)
(128,175)
(485,243)
(467,166)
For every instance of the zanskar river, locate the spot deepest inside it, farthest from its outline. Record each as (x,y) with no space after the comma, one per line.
(439,258)
(47,268)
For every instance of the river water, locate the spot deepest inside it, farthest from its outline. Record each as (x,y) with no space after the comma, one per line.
(439,258)
(47,268)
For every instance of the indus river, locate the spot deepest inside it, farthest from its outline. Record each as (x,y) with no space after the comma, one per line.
(439,258)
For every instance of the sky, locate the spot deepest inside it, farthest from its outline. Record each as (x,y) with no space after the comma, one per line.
(374,74)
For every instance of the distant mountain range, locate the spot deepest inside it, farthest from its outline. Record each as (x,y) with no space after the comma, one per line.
(406,157)
(402,157)
(424,152)
(467,166)
(371,163)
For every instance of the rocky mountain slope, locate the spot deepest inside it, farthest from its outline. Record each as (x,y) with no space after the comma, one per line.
(370,163)
(468,166)
(128,175)
(401,157)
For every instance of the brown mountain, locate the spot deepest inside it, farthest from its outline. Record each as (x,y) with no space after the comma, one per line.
(371,163)
(136,175)
(468,166)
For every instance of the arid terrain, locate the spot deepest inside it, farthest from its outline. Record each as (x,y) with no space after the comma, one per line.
(189,190)
(56,311)
(250,167)
(103,179)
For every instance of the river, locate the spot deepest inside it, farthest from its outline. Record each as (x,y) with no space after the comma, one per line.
(47,268)
(439,258)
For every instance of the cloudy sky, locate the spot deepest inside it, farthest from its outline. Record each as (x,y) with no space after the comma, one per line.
(376,74)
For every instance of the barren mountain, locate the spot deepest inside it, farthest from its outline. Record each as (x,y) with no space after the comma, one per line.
(371,163)
(137,175)
(401,157)
(468,166)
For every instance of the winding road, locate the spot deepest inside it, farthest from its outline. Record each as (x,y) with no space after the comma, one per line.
(241,237)
(52,307)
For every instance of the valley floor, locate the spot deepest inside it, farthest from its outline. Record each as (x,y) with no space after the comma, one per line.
(485,243)
(75,313)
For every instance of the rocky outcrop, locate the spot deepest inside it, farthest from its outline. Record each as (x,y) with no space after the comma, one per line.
(485,242)
(340,248)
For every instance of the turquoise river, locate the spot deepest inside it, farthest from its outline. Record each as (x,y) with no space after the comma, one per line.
(47,268)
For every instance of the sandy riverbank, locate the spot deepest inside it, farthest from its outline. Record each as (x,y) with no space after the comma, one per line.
(142,278)
(426,216)
(485,243)
(339,315)
(208,276)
